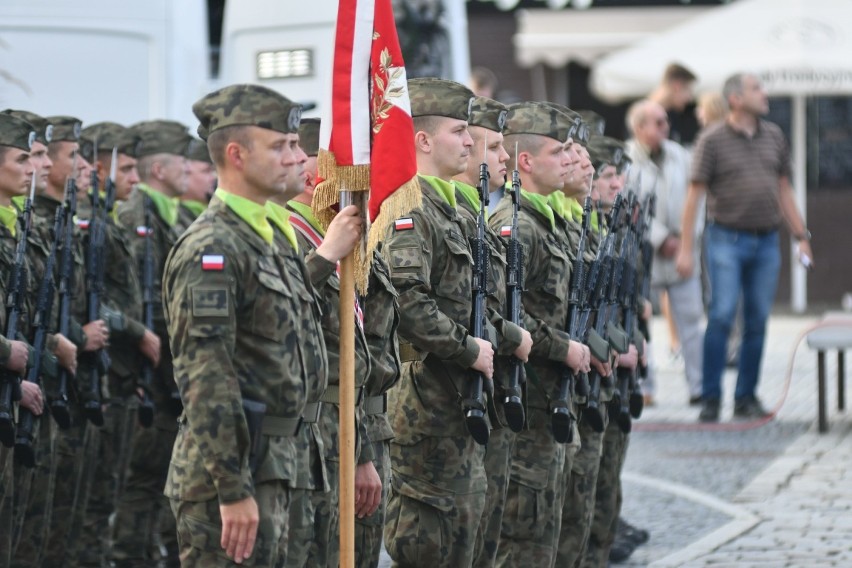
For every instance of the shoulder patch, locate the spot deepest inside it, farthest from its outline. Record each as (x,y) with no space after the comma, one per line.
(506,231)
(82,224)
(209,302)
(143,231)
(404,224)
(213,262)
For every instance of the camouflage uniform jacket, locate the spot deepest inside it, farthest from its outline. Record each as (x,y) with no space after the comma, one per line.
(547,273)
(8,247)
(242,326)
(431,268)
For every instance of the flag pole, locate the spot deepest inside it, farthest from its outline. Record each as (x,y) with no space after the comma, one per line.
(347,402)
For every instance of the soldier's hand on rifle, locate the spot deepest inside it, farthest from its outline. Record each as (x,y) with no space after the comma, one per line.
(629,359)
(239,528)
(485,360)
(66,353)
(603,368)
(18,356)
(31,398)
(342,235)
(97,335)
(579,357)
(149,345)
(685,263)
(368,490)
(523,350)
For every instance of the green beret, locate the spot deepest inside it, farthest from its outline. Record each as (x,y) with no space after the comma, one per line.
(488,113)
(16,132)
(597,123)
(606,151)
(43,128)
(106,136)
(309,129)
(438,97)
(161,137)
(247,105)
(539,118)
(580,131)
(197,150)
(65,128)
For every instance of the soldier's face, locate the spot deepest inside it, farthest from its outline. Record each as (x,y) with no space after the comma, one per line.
(83,176)
(274,164)
(451,147)
(310,175)
(126,176)
(42,164)
(608,185)
(201,180)
(495,156)
(16,171)
(62,154)
(175,172)
(580,173)
(550,166)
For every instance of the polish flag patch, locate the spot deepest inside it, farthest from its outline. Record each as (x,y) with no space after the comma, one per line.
(213,262)
(506,231)
(83,224)
(405,224)
(143,231)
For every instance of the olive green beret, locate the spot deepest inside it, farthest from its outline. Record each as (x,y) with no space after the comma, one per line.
(606,151)
(106,136)
(247,105)
(488,113)
(539,118)
(197,150)
(65,128)
(597,123)
(42,127)
(161,137)
(309,129)
(438,97)
(16,132)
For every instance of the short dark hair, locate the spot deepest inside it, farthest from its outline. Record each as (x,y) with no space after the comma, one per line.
(677,72)
(219,139)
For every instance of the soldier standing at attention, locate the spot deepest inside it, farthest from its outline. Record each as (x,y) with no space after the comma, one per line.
(246,348)
(531,519)
(438,484)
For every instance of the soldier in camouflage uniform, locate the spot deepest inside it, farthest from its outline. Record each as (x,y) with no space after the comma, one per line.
(200,183)
(485,125)
(531,519)
(438,484)
(245,333)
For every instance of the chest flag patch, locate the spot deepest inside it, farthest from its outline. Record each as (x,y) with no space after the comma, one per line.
(83,224)
(506,231)
(143,231)
(404,224)
(213,262)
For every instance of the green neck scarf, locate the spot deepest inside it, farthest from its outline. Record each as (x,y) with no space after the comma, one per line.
(9,218)
(166,206)
(252,213)
(539,203)
(280,217)
(444,188)
(470,194)
(196,207)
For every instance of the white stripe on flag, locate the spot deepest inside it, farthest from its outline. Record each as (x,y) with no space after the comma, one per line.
(365,12)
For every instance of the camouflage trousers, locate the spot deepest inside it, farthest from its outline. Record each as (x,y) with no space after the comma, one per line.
(608,497)
(529,534)
(34,495)
(436,501)
(498,459)
(368,531)
(199,529)
(75,460)
(324,548)
(139,514)
(300,528)
(7,495)
(579,506)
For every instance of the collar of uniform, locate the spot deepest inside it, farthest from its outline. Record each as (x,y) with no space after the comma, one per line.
(444,188)
(280,217)
(254,214)
(166,206)
(308,214)
(19,200)
(9,218)
(539,203)
(470,195)
(195,207)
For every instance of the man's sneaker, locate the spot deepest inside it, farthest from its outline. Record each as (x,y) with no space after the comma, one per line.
(710,411)
(634,534)
(749,408)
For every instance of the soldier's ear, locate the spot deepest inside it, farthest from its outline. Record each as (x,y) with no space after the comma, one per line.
(422,142)
(525,162)
(234,156)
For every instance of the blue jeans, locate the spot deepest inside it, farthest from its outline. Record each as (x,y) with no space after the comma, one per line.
(739,263)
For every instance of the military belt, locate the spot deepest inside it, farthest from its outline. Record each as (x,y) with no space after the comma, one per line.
(311,412)
(332,395)
(280,426)
(407,352)
(376,404)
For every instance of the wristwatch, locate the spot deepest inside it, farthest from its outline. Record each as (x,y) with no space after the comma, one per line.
(806,236)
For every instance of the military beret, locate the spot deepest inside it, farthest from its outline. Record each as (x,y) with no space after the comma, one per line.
(606,151)
(197,150)
(309,129)
(597,123)
(106,136)
(161,137)
(16,132)
(247,105)
(65,128)
(539,118)
(488,113)
(580,131)
(42,127)
(438,97)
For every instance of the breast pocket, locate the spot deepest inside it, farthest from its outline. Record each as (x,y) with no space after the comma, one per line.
(558,271)
(455,283)
(272,311)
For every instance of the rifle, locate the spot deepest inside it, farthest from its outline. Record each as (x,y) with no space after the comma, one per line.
(10,381)
(512,403)
(474,404)
(24,452)
(146,407)
(562,420)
